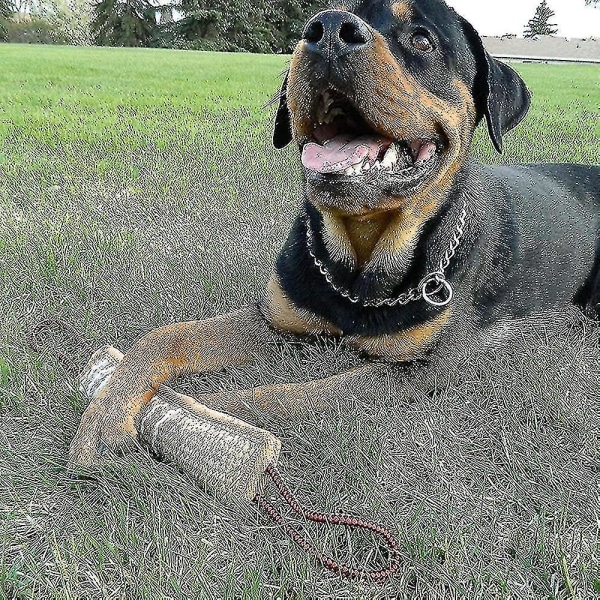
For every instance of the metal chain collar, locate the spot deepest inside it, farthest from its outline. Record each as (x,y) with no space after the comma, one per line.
(428,287)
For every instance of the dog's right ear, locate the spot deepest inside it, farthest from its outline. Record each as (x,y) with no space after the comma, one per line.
(282,131)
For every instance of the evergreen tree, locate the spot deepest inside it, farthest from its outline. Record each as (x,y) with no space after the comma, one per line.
(227,25)
(288,18)
(539,23)
(6,8)
(123,23)
(234,25)
(70,19)
(6,11)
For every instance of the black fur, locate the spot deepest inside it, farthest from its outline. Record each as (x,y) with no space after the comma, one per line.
(500,94)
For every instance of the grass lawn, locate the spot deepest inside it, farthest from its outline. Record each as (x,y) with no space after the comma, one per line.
(139,187)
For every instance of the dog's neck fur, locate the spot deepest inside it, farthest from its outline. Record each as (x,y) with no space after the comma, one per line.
(372,254)
(362,243)
(364,249)
(364,232)
(385,241)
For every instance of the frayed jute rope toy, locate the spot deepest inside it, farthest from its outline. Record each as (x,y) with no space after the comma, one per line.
(228,457)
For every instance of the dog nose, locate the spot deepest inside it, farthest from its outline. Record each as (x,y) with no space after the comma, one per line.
(335,33)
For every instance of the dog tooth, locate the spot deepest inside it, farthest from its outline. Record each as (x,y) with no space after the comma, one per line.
(377,165)
(320,115)
(390,158)
(335,112)
(327,100)
(366,166)
(349,171)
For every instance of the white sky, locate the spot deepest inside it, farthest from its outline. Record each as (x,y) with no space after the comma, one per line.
(496,17)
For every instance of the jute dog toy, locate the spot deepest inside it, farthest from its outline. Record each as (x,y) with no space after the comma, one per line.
(228,457)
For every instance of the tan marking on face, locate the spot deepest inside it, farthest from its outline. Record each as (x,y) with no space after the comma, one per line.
(405,345)
(458,122)
(403,108)
(402,10)
(282,314)
(300,99)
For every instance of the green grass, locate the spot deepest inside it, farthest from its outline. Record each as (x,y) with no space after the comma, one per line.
(139,187)
(58,94)
(58,97)
(563,124)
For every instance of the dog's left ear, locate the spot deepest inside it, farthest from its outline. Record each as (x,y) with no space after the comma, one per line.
(499,93)
(282,130)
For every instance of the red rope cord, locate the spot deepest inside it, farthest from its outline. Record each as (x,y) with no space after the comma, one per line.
(333,519)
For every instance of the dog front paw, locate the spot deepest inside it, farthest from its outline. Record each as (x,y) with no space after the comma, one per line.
(105,428)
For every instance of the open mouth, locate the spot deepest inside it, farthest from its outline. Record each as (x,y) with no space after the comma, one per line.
(344,144)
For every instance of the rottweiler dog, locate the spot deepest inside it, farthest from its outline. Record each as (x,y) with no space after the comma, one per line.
(402,241)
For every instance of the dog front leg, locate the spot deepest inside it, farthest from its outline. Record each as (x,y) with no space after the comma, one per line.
(291,399)
(163,354)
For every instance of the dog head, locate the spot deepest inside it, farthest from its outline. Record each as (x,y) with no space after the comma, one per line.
(382,98)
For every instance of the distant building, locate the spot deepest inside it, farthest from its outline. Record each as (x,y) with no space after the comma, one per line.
(544,47)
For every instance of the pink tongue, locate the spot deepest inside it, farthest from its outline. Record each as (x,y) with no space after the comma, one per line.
(341,152)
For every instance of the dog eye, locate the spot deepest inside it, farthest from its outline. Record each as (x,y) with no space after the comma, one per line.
(421,42)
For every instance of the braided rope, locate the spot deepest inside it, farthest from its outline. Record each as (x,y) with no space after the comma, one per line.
(333,519)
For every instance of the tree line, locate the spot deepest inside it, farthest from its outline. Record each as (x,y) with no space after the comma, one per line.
(220,25)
